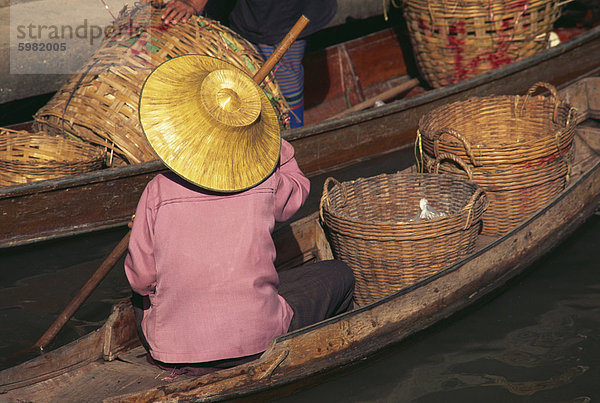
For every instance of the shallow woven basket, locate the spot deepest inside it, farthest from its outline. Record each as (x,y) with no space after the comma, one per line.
(99,104)
(518,149)
(368,222)
(27,157)
(458,39)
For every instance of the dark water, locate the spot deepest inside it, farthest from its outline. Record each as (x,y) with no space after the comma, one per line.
(38,281)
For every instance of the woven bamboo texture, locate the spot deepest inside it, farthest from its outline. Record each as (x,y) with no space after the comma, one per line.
(99,104)
(518,149)
(27,157)
(368,222)
(458,39)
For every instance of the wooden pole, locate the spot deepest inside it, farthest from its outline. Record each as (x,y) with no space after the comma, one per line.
(84,293)
(384,96)
(284,45)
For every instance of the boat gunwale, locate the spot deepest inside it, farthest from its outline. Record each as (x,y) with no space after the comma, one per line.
(317,128)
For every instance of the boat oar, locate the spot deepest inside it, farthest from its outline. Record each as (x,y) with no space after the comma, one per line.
(83,293)
(121,247)
(384,96)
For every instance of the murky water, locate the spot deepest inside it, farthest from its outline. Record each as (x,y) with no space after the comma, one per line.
(38,281)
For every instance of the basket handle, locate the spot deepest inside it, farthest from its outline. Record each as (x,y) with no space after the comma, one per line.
(455,158)
(471,204)
(478,192)
(553,93)
(458,136)
(325,194)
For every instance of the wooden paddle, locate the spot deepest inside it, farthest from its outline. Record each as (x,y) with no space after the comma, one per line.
(281,49)
(121,247)
(384,96)
(83,293)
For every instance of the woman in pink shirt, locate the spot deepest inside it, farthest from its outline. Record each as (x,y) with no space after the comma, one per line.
(204,263)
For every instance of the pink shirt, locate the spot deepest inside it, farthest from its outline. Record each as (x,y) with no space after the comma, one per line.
(206,262)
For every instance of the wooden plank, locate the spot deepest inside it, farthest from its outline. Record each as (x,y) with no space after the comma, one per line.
(84,351)
(93,382)
(119,331)
(63,206)
(382,47)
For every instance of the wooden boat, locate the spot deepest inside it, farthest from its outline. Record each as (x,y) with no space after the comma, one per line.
(107,198)
(109,365)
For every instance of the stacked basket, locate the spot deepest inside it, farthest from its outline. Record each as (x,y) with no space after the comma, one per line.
(370,225)
(100,104)
(518,149)
(458,39)
(27,157)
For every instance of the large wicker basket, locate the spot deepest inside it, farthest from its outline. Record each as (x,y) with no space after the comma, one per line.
(27,157)
(458,39)
(99,104)
(369,223)
(518,149)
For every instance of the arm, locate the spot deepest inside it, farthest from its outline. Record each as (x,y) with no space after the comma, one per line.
(139,263)
(182,10)
(293,186)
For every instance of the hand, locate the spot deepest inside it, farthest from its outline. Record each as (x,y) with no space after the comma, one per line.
(181,10)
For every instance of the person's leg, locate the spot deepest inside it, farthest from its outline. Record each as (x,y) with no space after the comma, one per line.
(317,291)
(289,74)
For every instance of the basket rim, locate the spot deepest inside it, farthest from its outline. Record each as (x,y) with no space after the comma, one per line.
(444,225)
(560,136)
(84,151)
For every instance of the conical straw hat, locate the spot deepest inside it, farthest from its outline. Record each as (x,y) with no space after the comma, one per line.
(210,123)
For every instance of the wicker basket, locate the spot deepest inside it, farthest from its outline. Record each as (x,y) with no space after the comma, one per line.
(99,104)
(458,39)
(28,157)
(369,224)
(518,149)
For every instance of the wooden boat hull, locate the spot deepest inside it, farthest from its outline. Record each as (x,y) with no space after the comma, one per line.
(104,199)
(339,341)
(351,337)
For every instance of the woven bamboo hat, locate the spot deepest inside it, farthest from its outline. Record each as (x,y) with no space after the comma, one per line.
(210,123)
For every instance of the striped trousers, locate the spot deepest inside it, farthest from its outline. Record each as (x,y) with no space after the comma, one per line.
(289,74)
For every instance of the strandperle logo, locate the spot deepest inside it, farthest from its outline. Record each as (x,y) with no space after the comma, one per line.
(61,39)
(56,33)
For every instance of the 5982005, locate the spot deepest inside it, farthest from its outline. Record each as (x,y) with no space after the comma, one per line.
(42,46)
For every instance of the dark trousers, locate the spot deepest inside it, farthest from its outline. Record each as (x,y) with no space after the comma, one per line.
(315,292)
